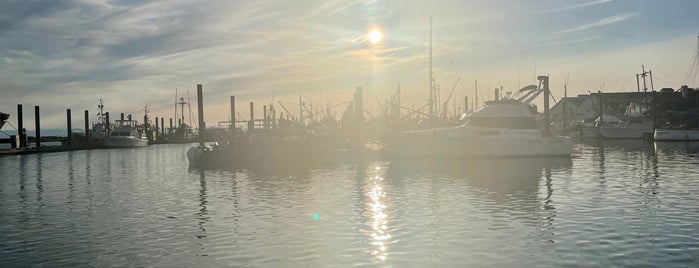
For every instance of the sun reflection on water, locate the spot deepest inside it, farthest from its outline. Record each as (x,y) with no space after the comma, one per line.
(380,236)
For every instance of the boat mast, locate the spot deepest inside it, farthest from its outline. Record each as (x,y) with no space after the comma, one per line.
(100,115)
(182,103)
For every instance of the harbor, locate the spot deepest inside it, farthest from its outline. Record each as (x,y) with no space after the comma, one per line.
(349,133)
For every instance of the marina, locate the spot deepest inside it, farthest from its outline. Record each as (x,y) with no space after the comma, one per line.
(349,134)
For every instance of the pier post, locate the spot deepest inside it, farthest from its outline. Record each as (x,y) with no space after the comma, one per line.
(157,128)
(87,125)
(171,127)
(162,126)
(20,127)
(122,117)
(465,104)
(264,115)
(70,131)
(232,125)
(274,119)
(545,82)
(251,124)
(200,103)
(13,142)
(601,108)
(106,115)
(358,114)
(37,127)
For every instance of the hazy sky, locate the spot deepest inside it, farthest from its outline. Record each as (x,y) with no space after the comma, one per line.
(70,53)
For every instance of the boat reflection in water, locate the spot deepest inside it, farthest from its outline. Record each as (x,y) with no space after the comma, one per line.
(499,177)
(675,147)
(447,206)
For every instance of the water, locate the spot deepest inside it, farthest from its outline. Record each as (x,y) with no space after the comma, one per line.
(616,204)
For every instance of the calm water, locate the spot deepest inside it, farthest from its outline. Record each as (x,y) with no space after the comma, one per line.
(615,204)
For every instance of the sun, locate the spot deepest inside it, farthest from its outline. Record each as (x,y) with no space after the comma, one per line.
(375,36)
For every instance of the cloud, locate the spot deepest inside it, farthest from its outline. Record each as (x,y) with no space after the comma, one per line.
(600,23)
(580,5)
(574,41)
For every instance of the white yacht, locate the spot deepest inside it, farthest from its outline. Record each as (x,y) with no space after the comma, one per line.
(126,133)
(503,128)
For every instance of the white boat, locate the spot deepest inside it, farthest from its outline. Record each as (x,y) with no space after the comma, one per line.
(503,128)
(633,125)
(631,128)
(681,126)
(126,134)
(676,135)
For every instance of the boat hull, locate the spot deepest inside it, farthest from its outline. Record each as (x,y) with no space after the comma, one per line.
(624,132)
(675,135)
(477,146)
(124,141)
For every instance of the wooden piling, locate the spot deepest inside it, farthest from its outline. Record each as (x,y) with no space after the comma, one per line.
(251,124)
(547,117)
(264,115)
(162,126)
(106,115)
(157,127)
(37,127)
(232,126)
(358,114)
(171,131)
(465,104)
(70,131)
(87,124)
(601,108)
(122,117)
(20,127)
(200,103)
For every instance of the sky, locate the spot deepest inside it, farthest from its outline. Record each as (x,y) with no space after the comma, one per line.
(61,54)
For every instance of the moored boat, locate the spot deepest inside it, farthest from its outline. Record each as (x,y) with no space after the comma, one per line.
(507,127)
(676,135)
(680,126)
(126,134)
(100,130)
(503,128)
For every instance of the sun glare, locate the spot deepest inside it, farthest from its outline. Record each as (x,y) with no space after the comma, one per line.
(375,36)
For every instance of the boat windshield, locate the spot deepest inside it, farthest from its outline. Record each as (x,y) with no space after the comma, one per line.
(504,122)
(121,133)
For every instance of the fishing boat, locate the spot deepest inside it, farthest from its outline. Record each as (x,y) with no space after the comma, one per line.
(676,135)
(3,119)
(682,126)
(505,127)
(126,133)
(630,128)
(100,130)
